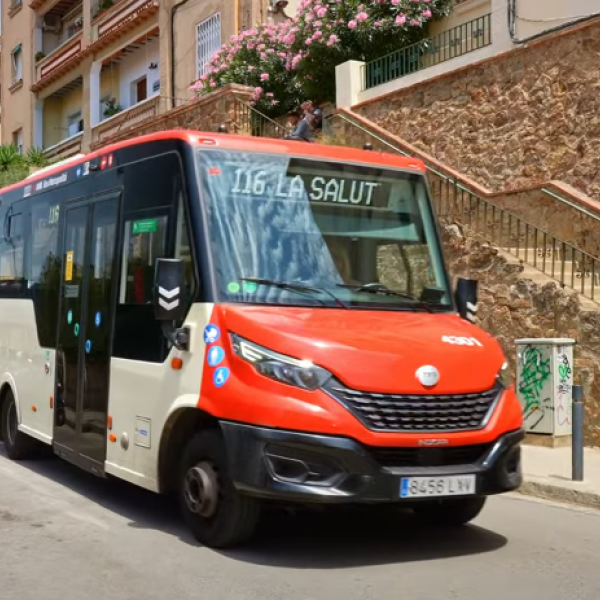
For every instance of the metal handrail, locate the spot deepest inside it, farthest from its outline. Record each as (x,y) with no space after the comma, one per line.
(452,43)
(381,140)
(254,122)
(533,245)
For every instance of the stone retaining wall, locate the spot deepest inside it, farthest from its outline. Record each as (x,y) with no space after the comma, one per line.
(513,307)
(520,119)
(566,221)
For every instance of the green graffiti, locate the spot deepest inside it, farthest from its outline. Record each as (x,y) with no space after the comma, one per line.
(564,369)
(535,373)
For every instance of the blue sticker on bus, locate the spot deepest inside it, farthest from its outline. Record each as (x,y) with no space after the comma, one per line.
(215,356)
(211,334)
(70,317)
(98,319)
(221,376)
(88,346)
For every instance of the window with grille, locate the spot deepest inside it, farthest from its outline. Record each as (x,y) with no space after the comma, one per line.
(208,41)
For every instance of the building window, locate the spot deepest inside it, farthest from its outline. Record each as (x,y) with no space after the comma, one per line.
(17,65)
(18,140)
(74,124)
(208,41)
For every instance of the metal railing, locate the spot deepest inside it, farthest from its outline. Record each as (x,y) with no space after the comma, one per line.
(536,247)
(249,121)
(431,51)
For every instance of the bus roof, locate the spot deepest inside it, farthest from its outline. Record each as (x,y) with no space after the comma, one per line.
(231,142)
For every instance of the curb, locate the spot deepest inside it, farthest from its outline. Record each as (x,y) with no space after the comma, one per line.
(560,494)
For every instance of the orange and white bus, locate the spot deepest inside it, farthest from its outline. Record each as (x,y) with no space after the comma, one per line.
(243,321)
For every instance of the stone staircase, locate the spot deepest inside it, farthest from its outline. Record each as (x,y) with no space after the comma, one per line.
(573,264)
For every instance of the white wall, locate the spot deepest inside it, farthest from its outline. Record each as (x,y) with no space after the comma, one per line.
(537,16)
(134,66)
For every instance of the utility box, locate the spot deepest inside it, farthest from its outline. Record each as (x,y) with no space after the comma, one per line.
(544,384)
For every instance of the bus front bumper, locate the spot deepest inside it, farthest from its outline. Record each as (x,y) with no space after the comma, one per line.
(312,468)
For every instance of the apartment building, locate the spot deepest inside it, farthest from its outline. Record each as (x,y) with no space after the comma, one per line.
(73,72)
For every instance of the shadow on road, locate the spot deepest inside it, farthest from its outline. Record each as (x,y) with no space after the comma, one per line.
(332,539)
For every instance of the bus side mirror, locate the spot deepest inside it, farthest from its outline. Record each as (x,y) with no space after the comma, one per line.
(466,298)
(169,288)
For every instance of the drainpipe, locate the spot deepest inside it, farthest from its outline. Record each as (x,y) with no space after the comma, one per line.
(174,10)
(512,24)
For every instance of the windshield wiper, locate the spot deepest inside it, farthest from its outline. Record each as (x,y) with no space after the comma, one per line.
(295,287)
(378,288)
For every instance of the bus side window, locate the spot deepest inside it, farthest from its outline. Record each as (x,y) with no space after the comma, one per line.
(45,266)
(154,227)
(12,250)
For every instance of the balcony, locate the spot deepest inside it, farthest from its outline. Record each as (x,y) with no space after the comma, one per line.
(59,42)
(65,149)
(125,120)
(445,46)
(59,62)
(58,120)
(111,23)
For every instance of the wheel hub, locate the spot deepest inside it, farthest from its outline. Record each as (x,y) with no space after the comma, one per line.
(201,489)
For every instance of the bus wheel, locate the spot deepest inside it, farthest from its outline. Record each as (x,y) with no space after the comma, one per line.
(19,446)
(218,515)
(450,513)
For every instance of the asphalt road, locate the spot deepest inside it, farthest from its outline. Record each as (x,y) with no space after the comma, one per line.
(65,535)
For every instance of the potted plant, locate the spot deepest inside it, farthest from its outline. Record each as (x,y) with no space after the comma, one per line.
(112,107)
(39,55)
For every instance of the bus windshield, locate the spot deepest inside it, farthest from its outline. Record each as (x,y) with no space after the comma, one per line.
(294,231)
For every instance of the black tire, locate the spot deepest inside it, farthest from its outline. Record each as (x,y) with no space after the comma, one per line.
(19,446)
(217,514)
(450,513)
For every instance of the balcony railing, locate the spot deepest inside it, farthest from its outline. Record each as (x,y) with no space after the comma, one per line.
(126,119)
(440,48)
(58,61)
(121,15)
(65,149)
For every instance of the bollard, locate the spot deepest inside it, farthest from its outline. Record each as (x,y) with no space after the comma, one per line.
(577,436)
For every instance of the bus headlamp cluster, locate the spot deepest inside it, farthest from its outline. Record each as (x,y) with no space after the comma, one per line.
(285,369)
(505,377)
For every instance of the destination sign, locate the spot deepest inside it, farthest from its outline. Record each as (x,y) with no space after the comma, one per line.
(318,188)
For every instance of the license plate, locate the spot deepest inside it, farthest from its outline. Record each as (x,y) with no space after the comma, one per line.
(421,487)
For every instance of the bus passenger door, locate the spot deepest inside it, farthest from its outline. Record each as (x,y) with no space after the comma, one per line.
(86,314)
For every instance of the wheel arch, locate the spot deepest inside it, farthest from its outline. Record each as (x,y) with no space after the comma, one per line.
(178,429)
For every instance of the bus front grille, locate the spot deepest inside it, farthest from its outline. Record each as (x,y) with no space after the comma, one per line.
(417,413)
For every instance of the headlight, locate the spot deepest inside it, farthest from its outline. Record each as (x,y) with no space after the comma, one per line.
(291,371)
(505,377)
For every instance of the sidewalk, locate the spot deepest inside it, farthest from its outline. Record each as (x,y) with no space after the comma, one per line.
(547,474)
